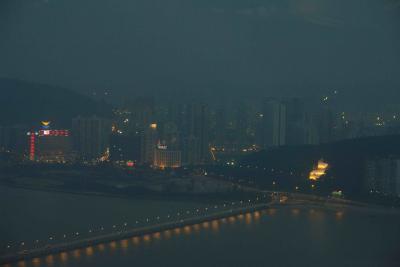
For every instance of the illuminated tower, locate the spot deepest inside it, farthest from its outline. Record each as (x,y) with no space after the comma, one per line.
(32,145)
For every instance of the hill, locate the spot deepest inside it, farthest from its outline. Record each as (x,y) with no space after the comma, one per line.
(28,103)
(292,164)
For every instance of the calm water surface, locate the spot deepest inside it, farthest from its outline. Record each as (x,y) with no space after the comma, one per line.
(285,236)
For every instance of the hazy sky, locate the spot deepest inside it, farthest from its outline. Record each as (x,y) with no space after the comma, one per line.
(251,46)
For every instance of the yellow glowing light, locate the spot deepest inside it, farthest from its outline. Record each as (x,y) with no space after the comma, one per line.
(153,126)
(46,123)
(319,171)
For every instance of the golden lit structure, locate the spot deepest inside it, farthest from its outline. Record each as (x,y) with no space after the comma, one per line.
(164,158)
(319,171)
(46,123)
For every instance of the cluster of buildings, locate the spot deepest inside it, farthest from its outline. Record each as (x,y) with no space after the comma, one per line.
(382,176)
(87,140)
(168,134)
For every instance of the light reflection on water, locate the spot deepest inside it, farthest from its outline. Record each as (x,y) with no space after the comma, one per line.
(187,229)
(49,260)
(147,238)
(36,262)
(136,240)
(196,228)
(339,215)
(157,235)
(214,226)
(101,247)
(271,212)
(76,253)
(63,257)
(89,251)
(295,211)
(113,245)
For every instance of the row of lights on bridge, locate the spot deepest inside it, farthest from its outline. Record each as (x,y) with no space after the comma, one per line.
(147,220)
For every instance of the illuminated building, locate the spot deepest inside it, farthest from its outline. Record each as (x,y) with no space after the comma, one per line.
(50,146)
(164,158)
(319,171)
(54,146)
(91,136)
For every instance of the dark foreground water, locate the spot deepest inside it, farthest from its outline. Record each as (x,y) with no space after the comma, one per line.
(287,236)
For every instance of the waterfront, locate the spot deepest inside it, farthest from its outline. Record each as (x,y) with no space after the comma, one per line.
(287,236)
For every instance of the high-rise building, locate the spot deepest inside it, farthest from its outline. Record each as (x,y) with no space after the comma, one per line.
(141,111)
(382,176)
(125,147)
(91,136)
(274,123)
(220,126)
(12,139)
(195,135)
(295,121)
(148,143)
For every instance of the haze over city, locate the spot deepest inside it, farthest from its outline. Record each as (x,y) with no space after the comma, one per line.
(294,47)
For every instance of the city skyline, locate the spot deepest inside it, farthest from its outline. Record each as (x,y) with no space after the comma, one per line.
(199,133)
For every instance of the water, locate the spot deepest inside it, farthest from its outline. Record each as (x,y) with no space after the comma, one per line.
(286,236)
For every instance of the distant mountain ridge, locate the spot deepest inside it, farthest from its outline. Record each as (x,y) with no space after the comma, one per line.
(28,103)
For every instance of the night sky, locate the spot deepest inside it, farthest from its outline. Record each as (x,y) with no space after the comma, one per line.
(252,46)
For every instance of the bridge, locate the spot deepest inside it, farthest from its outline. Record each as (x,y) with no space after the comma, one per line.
(207,214)
(267,199)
